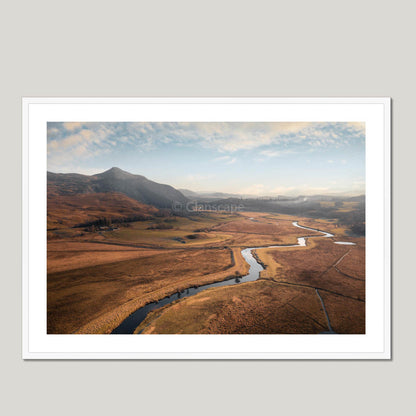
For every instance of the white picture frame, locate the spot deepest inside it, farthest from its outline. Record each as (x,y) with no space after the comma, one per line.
(374,344)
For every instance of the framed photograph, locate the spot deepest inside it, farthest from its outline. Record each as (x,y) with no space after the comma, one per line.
(206,228)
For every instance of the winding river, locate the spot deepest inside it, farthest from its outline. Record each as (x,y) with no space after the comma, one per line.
(133,321)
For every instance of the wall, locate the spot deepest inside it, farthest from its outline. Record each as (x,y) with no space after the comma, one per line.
(215,48)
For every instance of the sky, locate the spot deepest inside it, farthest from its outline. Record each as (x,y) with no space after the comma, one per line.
(259,159)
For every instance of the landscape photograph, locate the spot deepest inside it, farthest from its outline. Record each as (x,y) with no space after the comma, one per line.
(206,228)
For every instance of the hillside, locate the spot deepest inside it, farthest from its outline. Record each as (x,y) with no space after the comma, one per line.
(136,187)
(208,195)
(71,210)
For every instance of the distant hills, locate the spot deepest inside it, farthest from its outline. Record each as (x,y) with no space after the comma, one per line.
(119,196)
(136,187)
(188,193)
(208,195)
(205,196)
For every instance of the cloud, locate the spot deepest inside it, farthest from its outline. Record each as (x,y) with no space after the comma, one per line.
(87,140)
(71,142)
(71,126)
(222,158)
(275,153)
(256,189)
(226,160)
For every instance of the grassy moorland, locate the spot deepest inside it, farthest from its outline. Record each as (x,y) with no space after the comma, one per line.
(97,298)
(97,276)
(96,279)
(251,308)
(285,298)
(65,211)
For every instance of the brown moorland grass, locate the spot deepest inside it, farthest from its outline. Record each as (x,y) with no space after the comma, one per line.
(347,316)
(262,230)
(317,266)
(96,299)
(69,255)
(212,230)
(264,226)
(146,233)
(251,308)
(352,265)
(96,280)
(329,226)
(70,210)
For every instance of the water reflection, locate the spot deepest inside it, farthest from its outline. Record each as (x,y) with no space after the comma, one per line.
(129,325)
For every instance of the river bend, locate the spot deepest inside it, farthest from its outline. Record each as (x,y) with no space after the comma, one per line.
(133,321)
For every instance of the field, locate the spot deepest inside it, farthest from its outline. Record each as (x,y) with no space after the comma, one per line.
(97,277)
(250,308)
(283,300)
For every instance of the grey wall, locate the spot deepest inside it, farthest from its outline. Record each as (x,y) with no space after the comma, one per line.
(213,48)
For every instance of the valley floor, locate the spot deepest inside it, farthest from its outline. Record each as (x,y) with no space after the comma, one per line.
(97,279)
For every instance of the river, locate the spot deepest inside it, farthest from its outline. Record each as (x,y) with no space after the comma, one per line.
(133,321)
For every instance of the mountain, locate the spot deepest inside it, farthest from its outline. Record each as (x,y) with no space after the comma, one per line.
(189,194)
(208,195)
(219,195)
(136,187)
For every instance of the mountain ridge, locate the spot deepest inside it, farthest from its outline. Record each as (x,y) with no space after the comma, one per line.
(137,187)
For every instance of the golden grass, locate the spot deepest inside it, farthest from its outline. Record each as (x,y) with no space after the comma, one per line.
(96,280)
(265,229)
(96,299)
(251,308)
(70,255)
(284,300)
(317,267)
(347,315)
(69,210)
(330,226)
(352,265)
